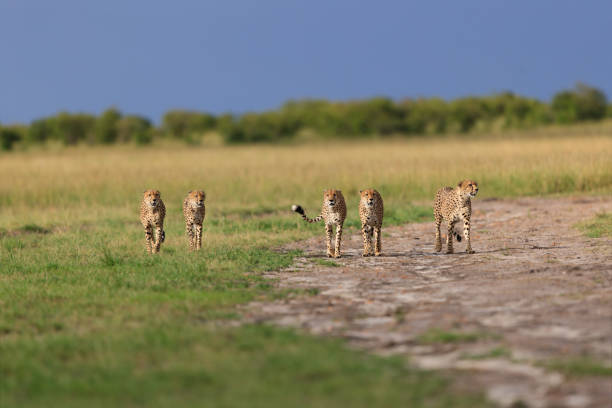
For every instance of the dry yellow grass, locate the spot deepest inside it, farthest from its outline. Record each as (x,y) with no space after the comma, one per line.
(83,184)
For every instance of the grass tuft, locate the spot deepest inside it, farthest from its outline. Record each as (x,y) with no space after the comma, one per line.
(433,336)
(585,366)
(597,227)
(326,262)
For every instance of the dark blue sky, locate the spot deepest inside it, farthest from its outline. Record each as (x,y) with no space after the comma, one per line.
(150,56)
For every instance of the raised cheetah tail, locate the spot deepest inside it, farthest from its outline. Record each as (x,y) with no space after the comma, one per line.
(298,209)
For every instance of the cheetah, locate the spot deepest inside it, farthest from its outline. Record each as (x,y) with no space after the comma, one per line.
(371,214)
(194,212)
(453,205)
(152,214)
(333,213)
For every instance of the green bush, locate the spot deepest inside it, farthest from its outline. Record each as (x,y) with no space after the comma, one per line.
(105,128)
(8,137)
(40,130)
(579,104)
(327,119)
(71,129)
(180,124)
(262,127)
(136,129)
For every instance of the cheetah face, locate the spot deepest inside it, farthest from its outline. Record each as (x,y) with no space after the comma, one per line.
(196,198)
(330,197)
(367,197)
(152,197)
(469,188)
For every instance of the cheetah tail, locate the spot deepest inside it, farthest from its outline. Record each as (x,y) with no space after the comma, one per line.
(163,236)
(298,209)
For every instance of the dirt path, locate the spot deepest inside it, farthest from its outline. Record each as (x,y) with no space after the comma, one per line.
(536,291)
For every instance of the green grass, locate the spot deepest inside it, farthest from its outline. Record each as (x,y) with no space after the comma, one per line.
(497,352)
(434,336)
(198,365)
(597,227)
(326,262)
(87,317)
(581,366)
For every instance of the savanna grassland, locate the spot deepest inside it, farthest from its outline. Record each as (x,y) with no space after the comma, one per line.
(86,315)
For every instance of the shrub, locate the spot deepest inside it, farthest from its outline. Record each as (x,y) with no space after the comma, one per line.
(581,103)
(73,128)
(40,130)
(105,129)
(134,128)
(8,137)
(182,124)
(262,127)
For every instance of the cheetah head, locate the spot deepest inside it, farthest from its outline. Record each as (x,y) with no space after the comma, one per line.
(196,198)
(468,188)
(152,197)
(368,196)
(331,196)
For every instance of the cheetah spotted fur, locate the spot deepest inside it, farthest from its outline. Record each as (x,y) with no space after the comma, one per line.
(333,213)
(152,214)
(453,205)
(194,212)
(371,215)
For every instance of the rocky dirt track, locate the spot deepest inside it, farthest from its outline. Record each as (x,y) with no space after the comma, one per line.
(537,291)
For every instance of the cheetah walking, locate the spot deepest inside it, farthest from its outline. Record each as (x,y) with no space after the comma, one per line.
(453,205)
(152,214)
(194,212)
(333,213)
(371,214)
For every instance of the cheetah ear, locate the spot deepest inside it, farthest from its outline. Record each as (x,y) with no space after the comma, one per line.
(360,191)
(190,191)
(460,183)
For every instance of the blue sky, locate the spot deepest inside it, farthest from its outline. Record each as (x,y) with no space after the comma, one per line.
(150,56)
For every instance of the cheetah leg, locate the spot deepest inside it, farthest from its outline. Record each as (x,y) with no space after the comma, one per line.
(377,242)
(159,230)
(338,240)
(148,238)
(328,235)
(449,238)
(189,233)
(198,237)
(466,234)
(438,238)
(367,241)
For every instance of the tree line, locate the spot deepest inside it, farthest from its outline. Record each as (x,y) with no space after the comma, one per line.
(325,119)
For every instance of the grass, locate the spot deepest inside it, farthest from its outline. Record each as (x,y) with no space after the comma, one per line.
(170,365)
(580,366)
(326,262)
(86,314)
(497,352)
(597,227)
(437,336)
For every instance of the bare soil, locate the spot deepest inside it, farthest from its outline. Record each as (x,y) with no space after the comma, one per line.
(536,290)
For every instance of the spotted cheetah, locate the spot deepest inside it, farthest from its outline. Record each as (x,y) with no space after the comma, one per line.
(333,213)
(152,214)
(453,205)
(371,214)
(194,212)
